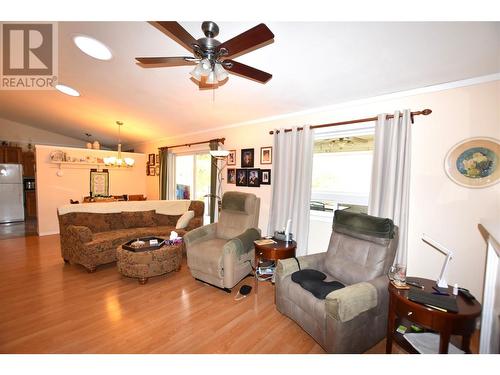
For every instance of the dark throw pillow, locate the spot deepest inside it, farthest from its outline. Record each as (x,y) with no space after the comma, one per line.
(320,289)
(138,219)
(302,275)
(166,220)
(94,221)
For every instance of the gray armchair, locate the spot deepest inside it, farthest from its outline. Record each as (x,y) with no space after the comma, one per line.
(223,253)
(354,318)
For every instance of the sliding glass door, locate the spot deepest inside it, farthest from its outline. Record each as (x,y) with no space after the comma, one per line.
(192,178)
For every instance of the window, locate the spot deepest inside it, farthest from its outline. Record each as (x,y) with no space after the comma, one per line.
(341,177)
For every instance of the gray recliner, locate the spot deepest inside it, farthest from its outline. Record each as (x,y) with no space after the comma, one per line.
(354,318)
(223,253)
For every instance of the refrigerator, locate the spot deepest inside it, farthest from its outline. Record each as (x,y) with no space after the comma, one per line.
(11,193)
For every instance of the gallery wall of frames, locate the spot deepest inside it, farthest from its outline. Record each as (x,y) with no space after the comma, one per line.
(153,165)
(247,175)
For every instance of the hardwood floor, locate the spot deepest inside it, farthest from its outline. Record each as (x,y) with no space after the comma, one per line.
(19,229)
(47,306)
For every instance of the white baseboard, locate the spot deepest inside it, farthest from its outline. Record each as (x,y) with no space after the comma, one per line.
(48,233)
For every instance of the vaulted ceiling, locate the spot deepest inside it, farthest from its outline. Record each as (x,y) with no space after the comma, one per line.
(313,64)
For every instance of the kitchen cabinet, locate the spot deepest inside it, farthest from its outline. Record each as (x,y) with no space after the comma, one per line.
(28,164)
(30,204)
(10,154)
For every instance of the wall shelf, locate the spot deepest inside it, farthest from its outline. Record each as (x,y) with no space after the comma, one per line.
(86,164)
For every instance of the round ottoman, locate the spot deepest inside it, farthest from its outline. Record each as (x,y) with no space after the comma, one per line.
(145,264)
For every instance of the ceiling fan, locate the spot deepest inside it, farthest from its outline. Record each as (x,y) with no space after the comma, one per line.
(212,58)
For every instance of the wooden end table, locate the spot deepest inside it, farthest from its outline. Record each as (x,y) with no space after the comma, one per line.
(274,251)
(401,310)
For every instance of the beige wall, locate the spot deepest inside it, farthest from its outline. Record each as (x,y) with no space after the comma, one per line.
(23,134)
(236,139)
(445,211)
(54,191)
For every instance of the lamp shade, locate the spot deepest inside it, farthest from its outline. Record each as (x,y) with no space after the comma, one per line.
(197,71)
(206,67)
(220,72)
(211,78)
(219,153)
(129,161)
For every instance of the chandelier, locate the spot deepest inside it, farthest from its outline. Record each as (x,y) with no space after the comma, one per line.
(118,161)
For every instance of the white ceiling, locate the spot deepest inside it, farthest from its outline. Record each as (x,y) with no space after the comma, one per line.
(313,64)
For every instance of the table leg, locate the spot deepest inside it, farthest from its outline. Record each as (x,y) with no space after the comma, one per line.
(391,318)
(444,341)
(257,257)
(466,343)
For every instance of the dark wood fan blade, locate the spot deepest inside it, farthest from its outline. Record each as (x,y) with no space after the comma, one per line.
(175,31)
(156,62)
(259,35)
(246,71)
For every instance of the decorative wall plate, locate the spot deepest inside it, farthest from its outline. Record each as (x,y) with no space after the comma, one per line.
(474,162)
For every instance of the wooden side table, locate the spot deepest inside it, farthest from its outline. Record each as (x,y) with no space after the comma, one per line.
(274,251)
(402,309)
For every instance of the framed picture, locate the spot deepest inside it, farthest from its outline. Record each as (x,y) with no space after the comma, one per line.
(241,177)
(474,162)
(254,177)
(151,159)
(152,170)
(266,155)
(231,176)
(247,158)
(182,191)
(157,159)
(265,177)
(231,158)
(99,182)
(157,170)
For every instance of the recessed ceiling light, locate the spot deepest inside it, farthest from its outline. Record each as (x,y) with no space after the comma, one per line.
(92,47)
(67,90)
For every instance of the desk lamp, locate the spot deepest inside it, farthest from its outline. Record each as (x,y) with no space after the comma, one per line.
(441,282)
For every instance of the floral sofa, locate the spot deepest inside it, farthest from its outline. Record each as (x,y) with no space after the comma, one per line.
(90,233)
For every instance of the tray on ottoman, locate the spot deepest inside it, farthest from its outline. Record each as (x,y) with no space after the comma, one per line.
(147,246)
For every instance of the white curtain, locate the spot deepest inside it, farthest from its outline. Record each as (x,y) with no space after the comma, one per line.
(390,185)
(291,192)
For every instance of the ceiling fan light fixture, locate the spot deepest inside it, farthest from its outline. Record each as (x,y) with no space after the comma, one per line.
(210,55)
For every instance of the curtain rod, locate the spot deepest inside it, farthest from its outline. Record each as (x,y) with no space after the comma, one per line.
(425,112)
(219,140)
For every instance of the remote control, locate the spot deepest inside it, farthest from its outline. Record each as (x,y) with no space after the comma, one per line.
(415,284)
(465,293)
